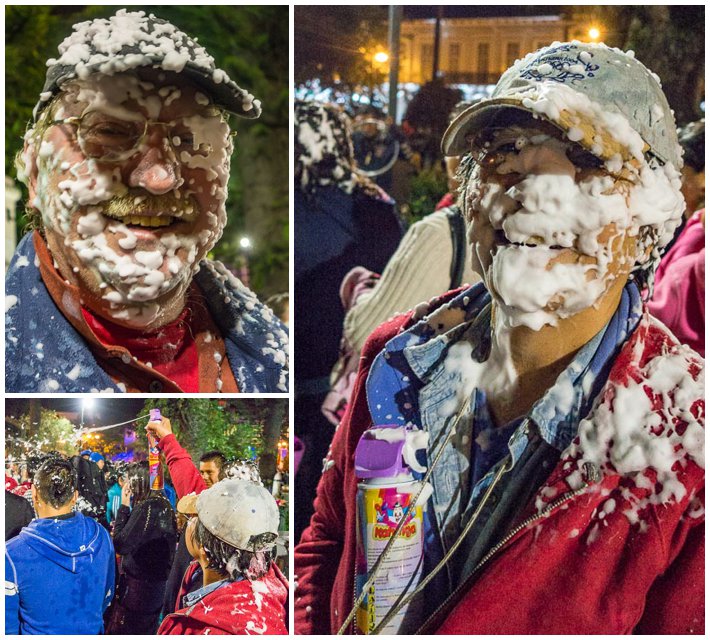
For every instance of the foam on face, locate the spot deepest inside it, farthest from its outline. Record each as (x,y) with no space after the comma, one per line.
(74,206)
(552,211)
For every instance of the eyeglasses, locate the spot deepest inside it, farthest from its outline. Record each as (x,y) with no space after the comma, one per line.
(111,139)
(491,155)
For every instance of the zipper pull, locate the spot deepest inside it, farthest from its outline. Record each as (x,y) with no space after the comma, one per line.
(591,472)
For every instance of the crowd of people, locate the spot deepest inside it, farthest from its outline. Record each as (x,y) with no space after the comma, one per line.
(539,337)
(94,547)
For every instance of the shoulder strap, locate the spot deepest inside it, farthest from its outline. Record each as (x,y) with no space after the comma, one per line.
(458,242)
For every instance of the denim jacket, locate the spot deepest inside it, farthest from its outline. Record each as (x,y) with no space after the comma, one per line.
(410,384)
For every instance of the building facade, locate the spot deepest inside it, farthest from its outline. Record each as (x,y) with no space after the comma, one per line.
(476,51)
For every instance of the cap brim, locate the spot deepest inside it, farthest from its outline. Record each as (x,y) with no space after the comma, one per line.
(457,138)
(226,94)
(187,505)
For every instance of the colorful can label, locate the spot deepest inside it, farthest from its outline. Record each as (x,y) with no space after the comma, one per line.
(156,469)
(380,509)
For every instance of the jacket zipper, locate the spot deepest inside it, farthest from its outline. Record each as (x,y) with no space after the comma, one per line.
(593,474)
(442,563)
(353,612)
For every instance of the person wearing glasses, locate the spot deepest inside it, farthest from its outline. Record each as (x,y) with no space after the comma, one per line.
(127,162)
(560,427)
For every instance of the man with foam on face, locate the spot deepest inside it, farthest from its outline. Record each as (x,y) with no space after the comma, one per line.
(127,163)
(565,425)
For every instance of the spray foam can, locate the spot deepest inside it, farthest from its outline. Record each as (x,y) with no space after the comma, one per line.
(156,469)
(385,496)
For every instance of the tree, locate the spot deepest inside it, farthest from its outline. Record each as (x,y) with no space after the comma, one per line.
(669,40)
(234,427)
(53,432)
(329,42)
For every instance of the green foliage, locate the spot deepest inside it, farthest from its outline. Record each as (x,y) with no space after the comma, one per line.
(53,433)
(204,424)
(427,188)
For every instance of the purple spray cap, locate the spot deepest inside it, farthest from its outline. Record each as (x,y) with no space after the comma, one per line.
(154,415)
(379,454)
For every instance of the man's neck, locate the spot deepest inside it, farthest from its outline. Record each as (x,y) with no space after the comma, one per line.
(539,357)
(48,511)
(210,575)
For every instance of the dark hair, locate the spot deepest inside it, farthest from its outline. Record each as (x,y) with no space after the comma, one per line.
(228,560)
(56,481)
(218,458)
(138,478)
(692,138)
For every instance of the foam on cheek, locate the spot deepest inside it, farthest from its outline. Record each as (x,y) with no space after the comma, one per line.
(213,133)
(549,208)
(529,287)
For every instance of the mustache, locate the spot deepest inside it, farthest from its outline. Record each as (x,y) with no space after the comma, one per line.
(147,204)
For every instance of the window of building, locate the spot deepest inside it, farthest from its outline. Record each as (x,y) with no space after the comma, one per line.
(454,53)
(484,50)
(512,53)
(427,60)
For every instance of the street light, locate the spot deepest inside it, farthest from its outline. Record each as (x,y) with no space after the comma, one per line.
(244,242)
(381,57)
(594,34)
(86,403)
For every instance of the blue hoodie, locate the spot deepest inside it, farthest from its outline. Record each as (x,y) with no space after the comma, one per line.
(59,577)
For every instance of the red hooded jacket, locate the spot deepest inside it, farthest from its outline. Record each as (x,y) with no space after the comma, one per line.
(577,565)
(236,608)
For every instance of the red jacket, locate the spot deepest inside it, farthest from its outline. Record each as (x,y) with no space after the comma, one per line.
(237,608)
(581,568)
(186,478)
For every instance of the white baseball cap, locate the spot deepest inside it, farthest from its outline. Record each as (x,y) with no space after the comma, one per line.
(238,512)
(583,89)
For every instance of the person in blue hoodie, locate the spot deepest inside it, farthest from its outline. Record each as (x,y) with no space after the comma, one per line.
(59,571)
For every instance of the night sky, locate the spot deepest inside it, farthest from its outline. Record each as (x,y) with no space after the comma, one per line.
(105,411)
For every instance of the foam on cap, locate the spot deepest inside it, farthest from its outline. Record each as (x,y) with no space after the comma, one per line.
(131,40)
(603,98)
(240,513)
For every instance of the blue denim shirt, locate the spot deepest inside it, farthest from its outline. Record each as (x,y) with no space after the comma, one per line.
(409,384)
(195,596)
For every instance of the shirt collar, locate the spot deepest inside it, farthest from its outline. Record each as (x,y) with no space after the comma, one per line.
(558,413)
(193,598)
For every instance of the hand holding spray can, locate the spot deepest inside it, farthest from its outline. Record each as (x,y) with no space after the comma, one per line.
(385,496)
(156,469)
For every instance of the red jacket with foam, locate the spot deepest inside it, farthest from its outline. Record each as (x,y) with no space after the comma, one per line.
(580,567)
(237,608)
(185,476)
